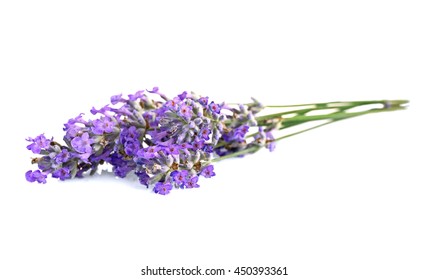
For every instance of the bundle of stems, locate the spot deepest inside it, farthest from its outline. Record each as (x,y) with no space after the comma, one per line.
(329,112)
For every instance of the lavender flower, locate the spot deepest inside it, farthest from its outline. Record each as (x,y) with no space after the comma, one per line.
(166,143)
(208,171)
(179,177)
(39,143)
(162,188)
(103,125)
(185,111)
(173,149)
(35,176)
(192,182)
(116,99)
(82,144)
(215,108)
(63,156)
(62,173)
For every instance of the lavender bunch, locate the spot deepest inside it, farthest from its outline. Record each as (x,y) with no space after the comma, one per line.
(171,143)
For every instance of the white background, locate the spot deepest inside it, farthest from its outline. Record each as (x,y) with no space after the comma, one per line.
(347,201)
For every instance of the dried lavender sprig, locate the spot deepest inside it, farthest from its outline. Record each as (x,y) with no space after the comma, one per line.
(169,143)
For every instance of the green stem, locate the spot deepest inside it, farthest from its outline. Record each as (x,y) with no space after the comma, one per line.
(336,116)
(301,117)
(328,105)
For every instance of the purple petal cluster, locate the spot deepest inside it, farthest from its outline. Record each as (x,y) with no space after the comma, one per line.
(39,143)
(166,143)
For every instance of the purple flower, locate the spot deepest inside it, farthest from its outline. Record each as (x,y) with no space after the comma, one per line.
(132,133)
(208,171)
(208,149)
(39,143)
(121,167)
(82,144)
(116,99)
(203,101)
(63,156)
(183,95)
(129,134)
(103,125)
(205,133)
(185,111)
(180,177)
(62,174)
(163,142)
(78,119)
(143,177)
(198,144)
(239,133)
(93,110)
(72,130)
(140,153)
(192,183)
(35,176)
(215,108)
(154,90)
(236,134)
(173,150)
(162,188)
(158,135)
(125,110)
(137,95)
(103,110)
(122,171)
(185,146)
(148,153)
(83,157)
(131,147)
(173,104)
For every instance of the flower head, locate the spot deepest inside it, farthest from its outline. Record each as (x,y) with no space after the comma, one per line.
(162,188)
(215,108)
(62,174)
(183,95)
(180,177)
(173,149)
(35,176)
(165,142)
(63,156)
(149,153)
(203,101)
(205,133)
(103,125)
(192,182)
(116,99)
(137,95)
(208,171)
(185,111)
(82,144)
(198,144)
(38,143)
